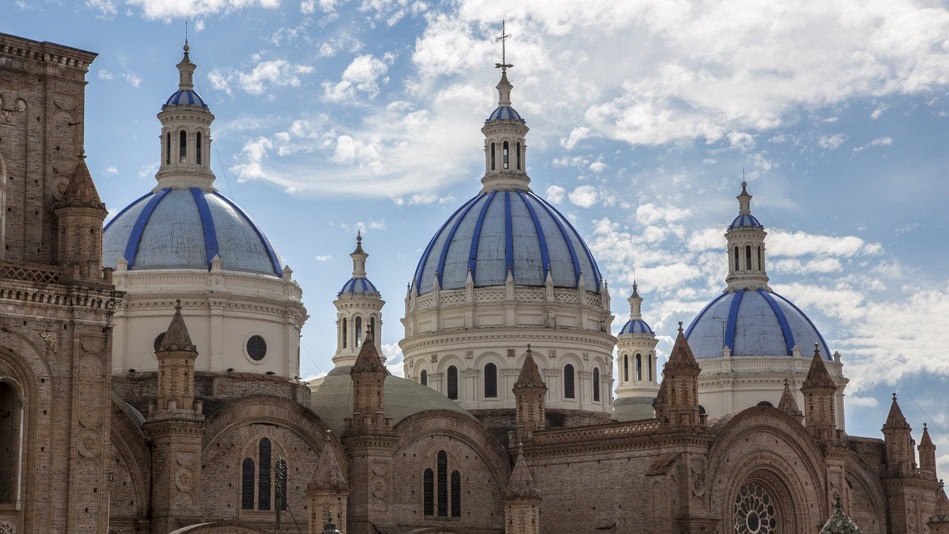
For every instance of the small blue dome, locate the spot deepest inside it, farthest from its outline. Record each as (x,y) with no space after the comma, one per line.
(185,97)
(358,285)
(753,323)
(504,113)
(500,231)
(185,229)
(636,326)
(745,221)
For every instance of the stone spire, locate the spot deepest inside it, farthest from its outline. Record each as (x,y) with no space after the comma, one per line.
(176,338)
(369,376)
(358,307)
(746,250)
(677,403)
(839,522)
(898,440)
(788,405)
(328,491)
(819,390)
(186,70)
(529,390)
(79,216)
(927,453)
(521,500)
(359,258)
(635,304)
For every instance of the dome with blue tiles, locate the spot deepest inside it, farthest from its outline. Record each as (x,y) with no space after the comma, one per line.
(359,284)
(753,322)
(499,232)
(186,229)
(504,113)
(184,97)
(636,326)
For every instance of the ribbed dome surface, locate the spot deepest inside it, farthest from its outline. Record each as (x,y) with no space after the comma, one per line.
(636,326)
(498,231)
(753,323)
(358,285)
(185,229)
(745,221)
(185,97)
(504,113)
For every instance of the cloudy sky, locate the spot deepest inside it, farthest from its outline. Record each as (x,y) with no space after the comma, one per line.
(337,115)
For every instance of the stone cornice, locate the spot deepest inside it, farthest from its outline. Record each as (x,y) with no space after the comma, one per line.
(44,53)
(515,336)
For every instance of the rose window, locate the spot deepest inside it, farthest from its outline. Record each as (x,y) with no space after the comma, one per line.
(754,511)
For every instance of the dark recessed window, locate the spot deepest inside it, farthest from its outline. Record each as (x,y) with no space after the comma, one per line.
(568,391)
(256,348)
(158,340)
(453,383)
(490,381)
(423,378)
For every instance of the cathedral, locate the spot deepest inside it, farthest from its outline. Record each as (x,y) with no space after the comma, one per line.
(149,366)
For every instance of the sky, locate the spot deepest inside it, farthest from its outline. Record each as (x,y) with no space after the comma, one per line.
(334,116)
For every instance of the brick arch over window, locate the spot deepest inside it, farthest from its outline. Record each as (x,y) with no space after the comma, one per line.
(130,453)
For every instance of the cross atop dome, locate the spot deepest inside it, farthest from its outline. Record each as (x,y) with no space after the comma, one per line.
(503,65)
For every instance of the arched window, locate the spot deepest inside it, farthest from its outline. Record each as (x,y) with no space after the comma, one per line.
(182,147)
(10,415)
(505,155)
(748,257)
(766,403)
(568,390)
(428,492)
(737,266)
(455,494)
(345,335)
(490,381)
(247,484)
(442,467)
(626,368)
(263,477)
(596,385)
(357,335)
(760,265)
(372,327)
(518,155)
(423,377)
(168,148)
(197,148)
(492,157)
(453,382)
(639,367)
(652,362)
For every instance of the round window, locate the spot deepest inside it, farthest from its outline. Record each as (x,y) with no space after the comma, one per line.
(158,340)
(256,348)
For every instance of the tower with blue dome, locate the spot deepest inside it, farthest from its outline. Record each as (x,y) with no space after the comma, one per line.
(507,270)
(638,380)
(749,339)
(358,312)
(185,240)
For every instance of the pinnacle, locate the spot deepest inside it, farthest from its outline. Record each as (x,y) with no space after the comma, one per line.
(681,357)
(817,375)
(895,418)
(788,404)
(176,338)
(80,190)
(368,360)
(328,475)
(925,441)
(521,483)
(529,376)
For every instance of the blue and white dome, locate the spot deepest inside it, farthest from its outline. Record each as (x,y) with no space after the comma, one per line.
(184,97)
(753,323)
(745,221)
(504,113)
(499,231)
(636,326)
(186,229)
(358,285)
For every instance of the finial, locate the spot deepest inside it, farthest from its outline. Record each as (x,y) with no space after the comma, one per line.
(837,501)
(178,307)
(82,153)
(358,236)
(816,349)
(528,347)
(785,381)
(680,327)
(503,65)
(924,427)
(327,435)
(520,448)
(894,396)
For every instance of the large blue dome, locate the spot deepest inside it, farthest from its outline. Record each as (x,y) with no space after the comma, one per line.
(497,231)
(186,229)
(753,323)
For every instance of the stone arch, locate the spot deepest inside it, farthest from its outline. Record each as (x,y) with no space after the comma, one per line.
(218,527)
(130,469)
(865,496)
(765,447)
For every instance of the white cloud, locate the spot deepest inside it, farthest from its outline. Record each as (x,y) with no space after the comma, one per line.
(322,258)
(798,267)
(264,75)
(105,75)
(576,135)
(741,141)
(133,79)
(831,142)
(361,76)
(650,213)
(111,169)
(879,141)
(108,8)
(170,9)
(584,196)
(554,194)
(707,239)
(878,112)
(783,243)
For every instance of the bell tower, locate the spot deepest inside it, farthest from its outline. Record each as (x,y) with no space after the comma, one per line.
(746,252)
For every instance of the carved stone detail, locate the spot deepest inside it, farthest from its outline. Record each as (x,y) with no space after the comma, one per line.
(52,342)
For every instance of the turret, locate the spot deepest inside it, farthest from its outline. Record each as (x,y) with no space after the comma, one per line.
(328,491)
(788,405)
(897,435)
(819,390)
(358,310)
(677,403)
(369,376)
(79,217)
(185,134)
(636,352)
(529,391)
(176,355)
(746,250)
(521,500)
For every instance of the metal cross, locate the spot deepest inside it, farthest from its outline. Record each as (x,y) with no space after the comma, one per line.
(503,65)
